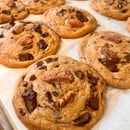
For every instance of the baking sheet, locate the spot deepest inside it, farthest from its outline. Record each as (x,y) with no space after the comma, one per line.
(117,109)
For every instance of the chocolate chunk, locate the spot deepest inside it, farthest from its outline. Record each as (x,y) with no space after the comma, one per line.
(61,12)
(26,47)
(91,79)
(54,93)
(46,34)
(49,60)
(109,64)
(33,77)
(25,56)
(24,83)
(7,12)
(30,99)
(81,17)
(39,63)
(111,59)
(12,23)
(79,74)
(21,111)
(49,97)
(82,120)
(42,44)
(1,34)
(42,67)
(37,28)
(127,57)
(94,103)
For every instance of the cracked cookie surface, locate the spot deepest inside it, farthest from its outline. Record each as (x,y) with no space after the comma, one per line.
(69,22)
(117,9)
(109,53)
(57,93)
(24,42)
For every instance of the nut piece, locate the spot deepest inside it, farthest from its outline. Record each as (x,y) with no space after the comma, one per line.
(74,23)
(25,40)
(57,76)
(63,101)
(10,3)
(18,29)
(114,38)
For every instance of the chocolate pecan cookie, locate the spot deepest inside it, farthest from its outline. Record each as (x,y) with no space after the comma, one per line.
(24,42)
(59,93)
(40,6)
(117,9)
(12,10)
(109,53)
(69,22)
(128,24)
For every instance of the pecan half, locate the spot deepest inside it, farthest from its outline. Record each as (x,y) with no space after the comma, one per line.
(18,29)
(65,99)
(57,76)
(74,23)
(27,39)
(114,38)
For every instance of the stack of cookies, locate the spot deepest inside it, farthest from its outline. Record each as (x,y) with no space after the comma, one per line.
(58,92)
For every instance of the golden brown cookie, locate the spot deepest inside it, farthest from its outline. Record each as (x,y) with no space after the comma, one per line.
(109,53)
(40,6)
(128,24)
(69,21)
(117,9)
(24,42)
(59,93)
(12,10)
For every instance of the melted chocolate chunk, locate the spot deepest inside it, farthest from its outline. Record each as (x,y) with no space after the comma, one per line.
(111,59)
(49,60)
(26,47)
(91,79)
(93,102)
(39,63)
(54,93)
(61,12)
(42,67)
(120,6)
(81,17)
(82,120)
(30,99)
(21,111)
(25,83)
(33,77)
(42,44)
(1,34)
(49,97)
(109,64)
(79,74)
(46,34)
(7,12)
(37,28)
(25,56)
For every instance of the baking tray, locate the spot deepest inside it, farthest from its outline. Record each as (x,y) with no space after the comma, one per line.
(117,109)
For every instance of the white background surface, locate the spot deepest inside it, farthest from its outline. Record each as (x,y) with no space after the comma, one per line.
(117,109)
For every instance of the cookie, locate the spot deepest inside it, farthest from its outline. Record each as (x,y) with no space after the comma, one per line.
(24,42)
(128,24)
(69,22)
(109,54)
(117,9)
(40,6)
(59,93)
(12,10)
